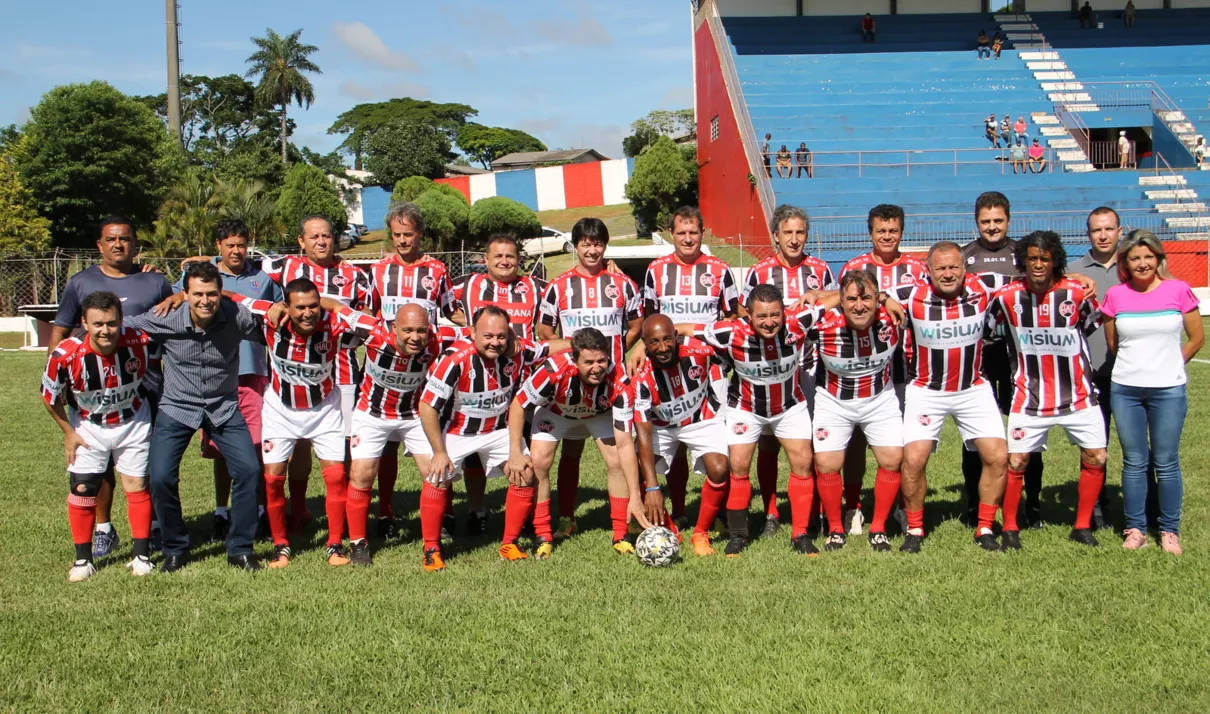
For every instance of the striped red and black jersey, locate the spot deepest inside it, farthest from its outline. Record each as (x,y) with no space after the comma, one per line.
(701,291)
(425,283)
(679,395)
(857,364)
(103,389)
(556,385)
(478,391)
(810,274)
(340,281)
(301,366)
(766,375)
(906,270)
(1047,336)
(391,386)
(946,333)
(518,298)
(607,301)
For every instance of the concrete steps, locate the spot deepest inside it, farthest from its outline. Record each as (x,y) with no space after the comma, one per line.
(1180,207)
(1188,222)
(1162,181)
(1170,193)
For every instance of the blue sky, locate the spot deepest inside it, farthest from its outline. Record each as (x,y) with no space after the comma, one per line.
(572,72)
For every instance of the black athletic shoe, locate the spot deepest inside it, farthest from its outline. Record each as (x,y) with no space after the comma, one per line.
(359,553)
(476,525)
(771,527)
(221,527)
(735,546)
(803,545)
(835,541)
(988,542)
(911,543)
(879,542)
(1033,517)
(1010,540)
(387,528)
(1083,536)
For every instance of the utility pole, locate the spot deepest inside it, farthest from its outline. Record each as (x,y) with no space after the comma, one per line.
(174,70)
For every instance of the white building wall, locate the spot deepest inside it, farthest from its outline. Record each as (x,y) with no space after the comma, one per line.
(613,181)
(929,7)
(549,180)
(756,8)
(846,7)
(482,186)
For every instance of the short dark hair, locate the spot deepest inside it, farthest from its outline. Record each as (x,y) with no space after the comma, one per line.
(298,286)
(102,300)
(886,212)
(763,293)
(687,213)
(1048,241)
(589,338)
(505,238)
(116,220)
(231,227)
(589,229)
(204,271)
(489,310)
(1104,210)
(992,199)
(862,278)
(302,225)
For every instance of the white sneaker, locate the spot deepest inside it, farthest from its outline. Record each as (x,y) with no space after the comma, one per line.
(855,521)
(141,565)
(900,517)
(82,570)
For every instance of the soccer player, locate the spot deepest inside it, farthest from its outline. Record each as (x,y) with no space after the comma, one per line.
(476,382)
(576,394)
(588,295)
(688,286)
(796,275)
(100,376)
(1049,318)
(676,402)
(857,347)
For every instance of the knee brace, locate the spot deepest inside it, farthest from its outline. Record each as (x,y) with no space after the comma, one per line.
(86,485)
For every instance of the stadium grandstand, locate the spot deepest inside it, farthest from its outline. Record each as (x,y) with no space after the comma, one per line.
(902,119)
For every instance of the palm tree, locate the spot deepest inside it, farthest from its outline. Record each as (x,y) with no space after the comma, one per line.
(279,63)
(248,201)
(190,211)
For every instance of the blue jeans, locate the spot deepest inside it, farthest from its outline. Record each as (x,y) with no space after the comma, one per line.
(1158,413)
(984,53)
(1022,137)
(169,440)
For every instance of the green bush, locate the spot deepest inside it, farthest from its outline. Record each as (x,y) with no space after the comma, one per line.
(445,218)
(502,215)
(664,179)
(308,191)
(410,188)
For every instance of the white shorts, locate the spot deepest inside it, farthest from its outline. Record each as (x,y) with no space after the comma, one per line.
(129,444)
(370,435)
(745,427)
(879,418)
(548,426)
(704,437)
(493,450)
(974,411)
(282,426)
(1085,429)
(348,400)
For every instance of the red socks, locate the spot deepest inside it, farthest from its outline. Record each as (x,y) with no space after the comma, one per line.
(335,498)
(568,486)
(138,508)
(275,507)
(802,499)
(831,489)
(518,506)
(357,511)
(1092,478)
(766,478)
(740,493)
(388,471)
(852,496)
(678,481)
(1012,498)
(298,499)
(432,510)
(617,516)
(542,521)
(987,516)
(915,520)
(713,495)
(886,493)
(82,517)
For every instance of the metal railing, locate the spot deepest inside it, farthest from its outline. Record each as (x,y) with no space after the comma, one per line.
(903,162)
(1107,155)
(1074,125)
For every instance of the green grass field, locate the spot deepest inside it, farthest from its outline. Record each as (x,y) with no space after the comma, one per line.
(1056,627)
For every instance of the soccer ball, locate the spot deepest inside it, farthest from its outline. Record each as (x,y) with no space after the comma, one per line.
(657,546)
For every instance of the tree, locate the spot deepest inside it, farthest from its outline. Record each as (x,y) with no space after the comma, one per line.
(408,189)
(445,218)
(22,230)
(251,203)
(502,215)
(364,119)
(308,191)
(190,212)
(280,62)
(485,144)
(405,148)
(661,122)
(92,151)
(664,179)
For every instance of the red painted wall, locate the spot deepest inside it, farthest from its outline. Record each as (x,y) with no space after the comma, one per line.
(462,183)
(730,205)
(1187,260)
(582,185)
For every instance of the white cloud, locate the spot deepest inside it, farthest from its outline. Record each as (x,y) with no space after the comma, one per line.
(366,44)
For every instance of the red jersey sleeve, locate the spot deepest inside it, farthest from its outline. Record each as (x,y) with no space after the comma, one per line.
(539,389)
(55,379)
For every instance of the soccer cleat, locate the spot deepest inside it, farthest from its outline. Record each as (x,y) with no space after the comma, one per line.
(82,570)
(987,541)
(294,525)
(879,542)
(432,561)
(834,542)
(476,524)
(1135,539)
(623,547)
(221,528)
(141,565)
(281,557)
(701,544)
(567,526)
(157,540)
(1171,543)
(1033,516)
(1083,536)
(510,551)
(1010,540)
(911,543)
(336,555)
(544,550)
(804,545)
(854,522)
(735,546)
(359,553)
(772,525)
(387,528)
(104,543)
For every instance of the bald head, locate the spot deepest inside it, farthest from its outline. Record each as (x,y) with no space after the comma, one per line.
(659,337)
(412,314)
(657,325)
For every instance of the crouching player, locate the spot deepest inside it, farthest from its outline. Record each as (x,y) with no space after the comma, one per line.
(100,376)
(577,394)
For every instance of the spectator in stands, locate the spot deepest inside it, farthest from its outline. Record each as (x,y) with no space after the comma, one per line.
(1006,130)
(1199,151)
(983,48)
(802,157)
(989,130)
(1037,158)
(1086,18)
(1124,157)
(1128,14)
(1018,156)
(783,162)
(1021,131)
(767,154)
(868,27)
(997,44)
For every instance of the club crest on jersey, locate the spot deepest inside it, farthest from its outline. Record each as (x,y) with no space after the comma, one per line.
(132,365)
(906,279)
(1067,308)
(707,280)
(924,419)
(696,372)
(602,402)
(340,281)
(266,446)
(821,434)
(428,283)
(740,428)
(1018,434)
(520,288)
(323,347)
(611,291)
(812,282)
(509,368)
(884,333)
(546,426)
(354,440)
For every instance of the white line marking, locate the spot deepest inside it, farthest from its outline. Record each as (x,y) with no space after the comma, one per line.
(1200,361)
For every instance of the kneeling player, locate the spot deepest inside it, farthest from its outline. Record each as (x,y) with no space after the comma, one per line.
(100,374)
(1049,316)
